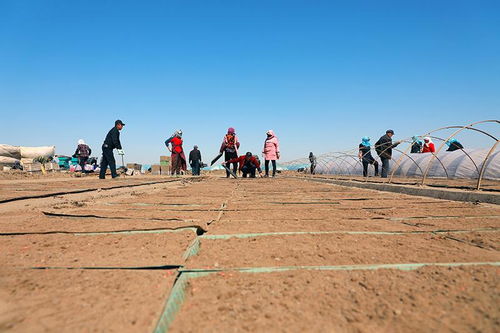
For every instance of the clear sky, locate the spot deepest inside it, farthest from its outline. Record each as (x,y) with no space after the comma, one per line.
(322,74)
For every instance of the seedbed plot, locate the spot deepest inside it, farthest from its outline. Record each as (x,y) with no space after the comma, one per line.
(251,225)
(434,211)
(430,299)
(135,213)
(82,300)
(267,213)
(486,240)
(38,223)
(101,250)
(336,249)
(14,189)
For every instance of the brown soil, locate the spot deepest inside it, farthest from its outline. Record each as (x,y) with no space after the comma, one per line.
(82,300)
(124,300)
(427,300)
(136,250)
(306,250)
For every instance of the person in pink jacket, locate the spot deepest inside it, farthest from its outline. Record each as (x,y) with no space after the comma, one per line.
(271,151)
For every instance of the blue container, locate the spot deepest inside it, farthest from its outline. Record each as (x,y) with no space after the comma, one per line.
(63,161)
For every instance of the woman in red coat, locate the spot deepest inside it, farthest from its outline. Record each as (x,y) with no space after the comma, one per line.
(428,146)
(179,164)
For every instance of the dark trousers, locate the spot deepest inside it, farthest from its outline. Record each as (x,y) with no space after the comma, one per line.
(267,167)
(107,159)
(248,170)
(82,161)
(195,168)
(229,156)
(365,167)
(313,168)
(385,167)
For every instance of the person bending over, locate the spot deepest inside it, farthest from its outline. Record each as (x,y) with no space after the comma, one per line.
(248,165)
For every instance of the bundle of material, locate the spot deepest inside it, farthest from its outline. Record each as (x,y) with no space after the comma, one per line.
(12,156)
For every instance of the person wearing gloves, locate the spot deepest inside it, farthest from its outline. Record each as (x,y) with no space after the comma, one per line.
(248,164)
(111,142)
(365,156)
(383,147)
(179,165)
(416,145)
(195,161)
(82,152)
(230,145)
(453,145)
(428,146)
(271,151)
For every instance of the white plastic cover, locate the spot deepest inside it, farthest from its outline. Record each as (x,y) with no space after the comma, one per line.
(8,160)
(465,164)
(34,152)
(10,151)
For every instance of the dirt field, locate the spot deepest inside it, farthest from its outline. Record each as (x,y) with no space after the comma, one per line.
(284,254)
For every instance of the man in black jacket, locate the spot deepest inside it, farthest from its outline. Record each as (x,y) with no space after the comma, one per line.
(111,142)
(195,161)
(383,147)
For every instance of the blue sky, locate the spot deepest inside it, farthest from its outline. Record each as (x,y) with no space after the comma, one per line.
(322,74)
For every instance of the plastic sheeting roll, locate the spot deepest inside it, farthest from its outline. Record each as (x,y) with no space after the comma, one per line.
(34,152)
(10,151)
(8,160)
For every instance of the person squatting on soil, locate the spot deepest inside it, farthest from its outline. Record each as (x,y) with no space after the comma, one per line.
(111,142)
(383,147)
(195,161)
(248,164)
(82,152)
(365,156)
(453,145)
(428,146)
(416,145)
(230,145)
(271,151)
(178,158)
(313,161)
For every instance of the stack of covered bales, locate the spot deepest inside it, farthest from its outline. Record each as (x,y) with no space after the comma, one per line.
(12,155)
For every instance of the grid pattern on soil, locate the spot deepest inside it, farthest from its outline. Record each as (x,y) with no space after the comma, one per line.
(280,254)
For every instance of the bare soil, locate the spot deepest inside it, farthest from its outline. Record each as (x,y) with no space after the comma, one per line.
(430,299)
(122,299)
(82,300)
(324,250)
(129,250)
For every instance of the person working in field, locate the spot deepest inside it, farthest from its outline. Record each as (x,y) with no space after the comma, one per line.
(111,142)
(230,145)
(416,145)
(453,145)
(428,146)
(82,152)
(384,147)
(313,161)
(248,165)
(195,161)
(365,156)
(271,151)
(179,165)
